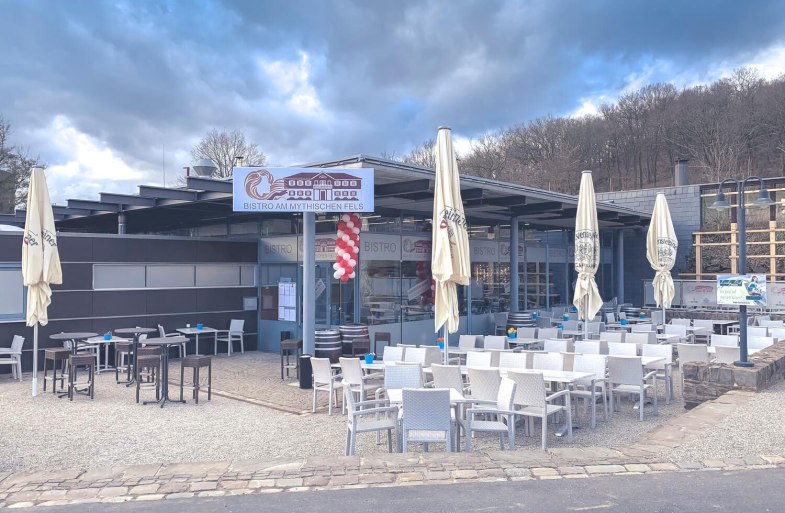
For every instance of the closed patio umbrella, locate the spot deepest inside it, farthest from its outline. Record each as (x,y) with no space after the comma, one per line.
(587,297)
(450,252)
(40,259)
(661,247)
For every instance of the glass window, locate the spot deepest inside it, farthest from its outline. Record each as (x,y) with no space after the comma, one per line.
(416,224)
(108,276)
(247,228)
(381,224)
(208,275)
(417,291)
(380,287)
(12,299)
(170,276)
(490,284)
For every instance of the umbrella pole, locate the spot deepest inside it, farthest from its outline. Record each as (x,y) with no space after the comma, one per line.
(663,315)
(444,341)
(35,360)
(586,317)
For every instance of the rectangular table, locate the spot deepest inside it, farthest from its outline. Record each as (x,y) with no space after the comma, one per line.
(100,340)
(196,332)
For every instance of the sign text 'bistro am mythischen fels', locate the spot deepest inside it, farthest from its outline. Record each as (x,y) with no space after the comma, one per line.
(289,189)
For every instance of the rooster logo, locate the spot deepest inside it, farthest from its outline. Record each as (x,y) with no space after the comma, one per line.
(261,185)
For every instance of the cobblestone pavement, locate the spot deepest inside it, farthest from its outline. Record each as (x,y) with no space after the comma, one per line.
(211,479)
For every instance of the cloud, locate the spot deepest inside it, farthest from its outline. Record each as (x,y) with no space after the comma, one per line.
(318,80)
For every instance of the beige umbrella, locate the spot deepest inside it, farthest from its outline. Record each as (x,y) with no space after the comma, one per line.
(587,297)
(450,252)
(661,247)
(40,258)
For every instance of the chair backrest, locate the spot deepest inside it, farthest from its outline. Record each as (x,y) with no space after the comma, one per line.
(625,370)
(596,327)
(610,317)
(530,387)
(432,355)
(613,336)
(643,327)
(322,372)
(725,340)
(622,349)
(572,325)
(527,332)
(382,336)
(573,316)
(704,323)
(692,353)
(403,376)
(759,342)
(494,342)
(513,360)
(657,317)
(351,370)
(557,312)
(772,324)
(762,318)
(393,353)
(161,332)
(548,361)
(555,345)
(594,363)
(447,376)
(726,354)
(427,409)
(500,319)
(505,400)
(478,359)
(757,331)
(659,351)
(467,341)
(587,347)
(236,325)
(676,329)
(415,355)
(778,333)
(681,322)
(545,333)
(16,343)
(484,383)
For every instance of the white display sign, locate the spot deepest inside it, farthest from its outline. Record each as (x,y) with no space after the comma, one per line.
(416,249)
(279,249)
(378,246)
(776,295)
(484,250)
(741,289)
(324,245)
(699,293)
(289,189)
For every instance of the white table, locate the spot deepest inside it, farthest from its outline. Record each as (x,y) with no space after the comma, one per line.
(100,340)
(196,332)
(576,334)
(520,341)
(395,395)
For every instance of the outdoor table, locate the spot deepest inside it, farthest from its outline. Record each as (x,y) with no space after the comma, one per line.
(724,324)
(395,396)
(166,343)
(576,334)
(196,332)
(75,338)
(101,340)
(617,326)
(135,332)
(525,341)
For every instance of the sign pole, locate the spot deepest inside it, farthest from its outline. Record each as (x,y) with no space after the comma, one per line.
(309,283)
(743,360)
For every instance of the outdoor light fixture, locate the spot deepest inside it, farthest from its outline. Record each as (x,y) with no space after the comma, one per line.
(764,200)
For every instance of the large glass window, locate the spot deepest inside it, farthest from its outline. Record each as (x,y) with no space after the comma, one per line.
(12,299)
(417,291)
(380,288)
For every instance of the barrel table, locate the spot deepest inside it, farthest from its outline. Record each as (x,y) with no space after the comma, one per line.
(328,344)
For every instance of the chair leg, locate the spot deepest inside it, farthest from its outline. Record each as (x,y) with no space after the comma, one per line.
(643,402)
(45,367)
(181,381)
(313,407)
(196,385)
(348,439)
(544,432)
(210,381)
(389,440)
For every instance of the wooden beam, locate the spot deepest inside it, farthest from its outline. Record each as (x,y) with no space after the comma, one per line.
(537,208)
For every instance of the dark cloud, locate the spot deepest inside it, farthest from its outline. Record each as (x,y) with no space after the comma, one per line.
(136,74)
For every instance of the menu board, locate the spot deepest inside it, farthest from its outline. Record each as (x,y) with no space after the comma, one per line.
(287,301)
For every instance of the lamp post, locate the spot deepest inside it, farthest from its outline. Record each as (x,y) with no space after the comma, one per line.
(722,204)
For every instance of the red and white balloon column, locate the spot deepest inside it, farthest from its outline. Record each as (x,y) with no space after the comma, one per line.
(347,247)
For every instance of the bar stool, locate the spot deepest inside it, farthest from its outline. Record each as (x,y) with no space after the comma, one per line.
(291,347)
(148,366)
(56,355)
(196,362)
(88,361)
(123,352)
(381,336)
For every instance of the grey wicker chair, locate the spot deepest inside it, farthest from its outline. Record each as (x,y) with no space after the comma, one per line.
(427,417)
(503,412)
(369,417)
(532,401)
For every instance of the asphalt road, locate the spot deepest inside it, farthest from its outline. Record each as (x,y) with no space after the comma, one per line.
(749,491)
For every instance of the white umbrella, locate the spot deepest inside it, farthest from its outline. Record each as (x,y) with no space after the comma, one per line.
(40,258)
(450,253)
(661,247)
(587,297)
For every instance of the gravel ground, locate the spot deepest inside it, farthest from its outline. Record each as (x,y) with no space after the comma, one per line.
(752,429)
(51,433)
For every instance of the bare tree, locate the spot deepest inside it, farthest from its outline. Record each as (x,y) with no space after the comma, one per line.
(423,154)
(223,147)
(15,165)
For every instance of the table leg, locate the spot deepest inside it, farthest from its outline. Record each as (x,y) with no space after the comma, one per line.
(132,377)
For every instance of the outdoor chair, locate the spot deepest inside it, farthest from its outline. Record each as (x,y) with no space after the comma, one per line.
(427,418)
(515,360)
(725,340)
(640,339)
(397,377)
(415,355)
(467,342)
(494,342)
(681,322)
(432,355)
(777,333)
(88,362)
(587,347)
(757,331)
(625,376)
(572,325)
(478,359)
(447,376)
(291,347)
(727,354)
(495,354)
(527,332)
(622,349)
(613,336)
(595,328)
(383,337)
(492,417)
(548,361)
(593,388)
(664,369)
(235,332)
(610,318)
(57,355)
(372,416)
(500,323)
(180,347)
(657,317)
(483,383)
(13,356)
(532,401)
(678,332)
(759,343)
(393,354)
(643,327)
(195,362)
(324,380)
(556,345)
(546,333)
(354,380)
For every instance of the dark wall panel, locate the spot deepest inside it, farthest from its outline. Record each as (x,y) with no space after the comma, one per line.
(75,249)
(10,248)
(210,300)
(207,251)
(119,303)
(67,305)
(119,250)
(76,277)
(171,251)
(171,301)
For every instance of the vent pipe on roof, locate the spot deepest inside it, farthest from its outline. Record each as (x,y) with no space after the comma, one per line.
(681,173)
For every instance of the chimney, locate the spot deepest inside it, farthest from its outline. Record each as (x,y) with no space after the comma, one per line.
(681,173)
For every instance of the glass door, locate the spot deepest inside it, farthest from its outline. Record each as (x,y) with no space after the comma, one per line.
(334,298)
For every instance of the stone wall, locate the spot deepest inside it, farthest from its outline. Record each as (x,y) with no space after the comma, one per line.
(707,381)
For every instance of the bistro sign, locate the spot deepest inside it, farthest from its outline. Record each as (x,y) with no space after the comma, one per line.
(289,189)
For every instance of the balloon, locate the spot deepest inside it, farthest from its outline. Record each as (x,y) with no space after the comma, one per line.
(344,238)
(345,218)
(344,278)
(336,275)
(351,242)
(350,224)
(352,275)
(352,262)
(356,230)
(346,256)
(341,272)
(356,249)
(336,266)
(340,233)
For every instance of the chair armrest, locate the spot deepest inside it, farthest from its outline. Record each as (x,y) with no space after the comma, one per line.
(8,351)
(479,401)
(360,405)
(492,411)
(652,374)
(551,397)
(375,411)
(218,332)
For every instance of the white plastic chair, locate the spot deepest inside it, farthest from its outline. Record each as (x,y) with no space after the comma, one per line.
(556,345)
(591,389)
(726,354)
(369,417)
(235,332)
(527,332)
(640,339)
(546,333)
(13,356)
(692,353)
(494,342)
(427,417)
(758,343)
(478,359)
(622,349)
(613,336)
(725,340)
(181,349)
(681,322)
(757,331)
(504,423)
(587,347)
(610,317)
(572,325)
(514,360)
(483,383)
(625,376)
(415,355)
(532,400)
(548,361)
(354,380)
(664,369)
(679,330)
(467,342)
(447,376)
(643,327)
(595,328)
(393,354)
(324,380)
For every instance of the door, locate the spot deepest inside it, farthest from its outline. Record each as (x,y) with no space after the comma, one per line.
(334,298)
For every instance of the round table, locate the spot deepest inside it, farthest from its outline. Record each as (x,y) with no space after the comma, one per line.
(135,332)
(166,343)
(75,338)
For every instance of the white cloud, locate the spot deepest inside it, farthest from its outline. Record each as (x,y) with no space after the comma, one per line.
(292,83)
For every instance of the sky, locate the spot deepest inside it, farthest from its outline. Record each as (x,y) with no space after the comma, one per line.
(113,94)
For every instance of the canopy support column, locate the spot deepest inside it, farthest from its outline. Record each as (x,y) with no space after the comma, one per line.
(309,282)
(619,266)
(514,279)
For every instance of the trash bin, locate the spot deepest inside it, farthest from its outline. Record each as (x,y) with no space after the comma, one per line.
(306,372)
